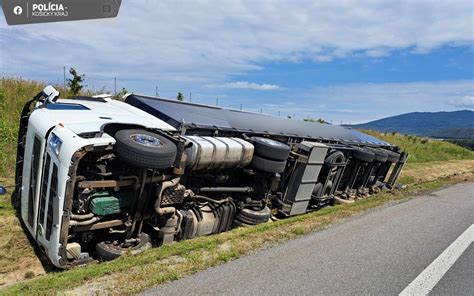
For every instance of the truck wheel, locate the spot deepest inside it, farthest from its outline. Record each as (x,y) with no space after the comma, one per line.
(145,149)
(267,165)
(335,157)
(363,154)
(237,224)
(392,155)
(380,155)
(110,250)
(270,149)
(317,190)
(254,217)
(327,188)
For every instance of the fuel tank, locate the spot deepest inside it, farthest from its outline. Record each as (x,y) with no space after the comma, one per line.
(211,153)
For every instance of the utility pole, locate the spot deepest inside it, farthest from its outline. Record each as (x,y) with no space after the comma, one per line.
(64,75)
(156,90)
(115,86)
(240,107)
(190,96)
(294,116)
(278,113)
(261,110)
(217,101)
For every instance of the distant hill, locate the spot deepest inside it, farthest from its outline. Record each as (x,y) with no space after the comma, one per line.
(437,124)
(454,133)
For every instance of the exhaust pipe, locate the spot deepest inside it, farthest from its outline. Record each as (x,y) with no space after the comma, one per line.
(166,210)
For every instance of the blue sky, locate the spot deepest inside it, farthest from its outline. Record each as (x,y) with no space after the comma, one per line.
(344,61)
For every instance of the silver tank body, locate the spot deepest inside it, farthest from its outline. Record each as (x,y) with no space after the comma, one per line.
(211,153)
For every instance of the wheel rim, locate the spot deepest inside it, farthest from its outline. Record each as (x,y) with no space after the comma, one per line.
(146,140)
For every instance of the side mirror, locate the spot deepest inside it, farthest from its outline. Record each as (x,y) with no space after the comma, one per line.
(51,94)
(3,190)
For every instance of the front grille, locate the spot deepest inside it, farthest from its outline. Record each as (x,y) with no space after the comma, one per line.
(44,190)
(52,196)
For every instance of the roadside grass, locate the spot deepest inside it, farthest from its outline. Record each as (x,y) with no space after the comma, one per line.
(14,93)
(132,274)
(424,149)
(415,172)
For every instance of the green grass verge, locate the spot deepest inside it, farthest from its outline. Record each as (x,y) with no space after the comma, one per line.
(14,93)
(424,149)
(132,274)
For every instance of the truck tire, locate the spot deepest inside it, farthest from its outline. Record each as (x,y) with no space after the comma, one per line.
(254,216)
(109,250)
(237,224)
(363,154)
(327,188)
(267,165)
(270,149)
(380,155)
(145,149)
(335,157)
(392,156)
(317,190)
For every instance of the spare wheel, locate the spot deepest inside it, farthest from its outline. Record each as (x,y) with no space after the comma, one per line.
(145,149)
(267,165)
(270,149)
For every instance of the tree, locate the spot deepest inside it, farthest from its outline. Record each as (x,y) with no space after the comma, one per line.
(180,97)
(121,93)
(76,83)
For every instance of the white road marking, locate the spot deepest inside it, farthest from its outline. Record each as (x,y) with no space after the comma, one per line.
(432,274)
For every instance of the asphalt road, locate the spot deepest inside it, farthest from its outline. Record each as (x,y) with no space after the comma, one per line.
(380,252)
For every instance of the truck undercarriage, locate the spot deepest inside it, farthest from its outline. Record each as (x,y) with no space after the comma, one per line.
(127,187)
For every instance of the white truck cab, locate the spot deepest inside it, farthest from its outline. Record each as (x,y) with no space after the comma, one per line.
(56,130)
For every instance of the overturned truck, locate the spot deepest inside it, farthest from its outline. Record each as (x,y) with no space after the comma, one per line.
(97,178)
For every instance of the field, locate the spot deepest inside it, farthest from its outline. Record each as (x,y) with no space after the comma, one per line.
(432,164)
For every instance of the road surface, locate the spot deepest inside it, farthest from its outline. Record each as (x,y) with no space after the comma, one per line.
(383,251)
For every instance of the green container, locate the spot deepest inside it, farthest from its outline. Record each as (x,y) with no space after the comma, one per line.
(103,203)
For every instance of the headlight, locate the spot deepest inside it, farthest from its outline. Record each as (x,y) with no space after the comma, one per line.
(55,144)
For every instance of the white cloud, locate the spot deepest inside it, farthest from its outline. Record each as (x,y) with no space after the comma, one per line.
(362,102)
(246,85)
(189,44)
(464,102)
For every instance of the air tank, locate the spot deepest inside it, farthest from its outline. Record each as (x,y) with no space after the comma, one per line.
(211,153)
